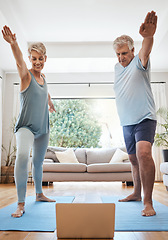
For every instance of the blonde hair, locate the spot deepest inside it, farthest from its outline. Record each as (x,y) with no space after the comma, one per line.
(122,40)
(38,47)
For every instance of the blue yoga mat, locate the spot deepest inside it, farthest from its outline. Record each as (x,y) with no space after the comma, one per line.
(39,216)
(128,216)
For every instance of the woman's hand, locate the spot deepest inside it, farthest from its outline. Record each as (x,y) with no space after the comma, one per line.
(8,35)
(51,107)
(50,104)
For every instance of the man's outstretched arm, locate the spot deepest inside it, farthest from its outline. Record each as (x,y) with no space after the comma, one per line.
(147,31)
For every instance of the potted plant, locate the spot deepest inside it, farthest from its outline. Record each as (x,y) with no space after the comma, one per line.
(161,139)
(7,171)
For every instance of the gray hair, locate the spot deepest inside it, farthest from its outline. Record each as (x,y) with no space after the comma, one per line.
(122,40)
(38,47)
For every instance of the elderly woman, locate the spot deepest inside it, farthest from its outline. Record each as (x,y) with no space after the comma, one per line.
(32,127)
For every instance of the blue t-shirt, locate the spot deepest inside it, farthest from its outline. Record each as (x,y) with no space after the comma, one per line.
(134,98)
(34,113)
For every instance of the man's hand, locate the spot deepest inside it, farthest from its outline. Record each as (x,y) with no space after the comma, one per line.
(8,35)
(148,28)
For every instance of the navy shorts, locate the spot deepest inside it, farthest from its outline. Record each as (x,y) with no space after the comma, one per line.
(143,131)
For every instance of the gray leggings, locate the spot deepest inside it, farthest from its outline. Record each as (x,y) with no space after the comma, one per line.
(26,141)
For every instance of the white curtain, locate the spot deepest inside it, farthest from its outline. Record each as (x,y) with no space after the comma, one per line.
(159,93)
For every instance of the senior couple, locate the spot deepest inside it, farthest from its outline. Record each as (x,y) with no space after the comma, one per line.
(135,107)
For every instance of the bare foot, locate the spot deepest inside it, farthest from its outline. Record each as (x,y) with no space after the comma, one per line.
(131,197)
(148,210)
(19,211)
(41,198)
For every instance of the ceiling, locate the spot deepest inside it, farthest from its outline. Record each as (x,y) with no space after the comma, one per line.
(79,33)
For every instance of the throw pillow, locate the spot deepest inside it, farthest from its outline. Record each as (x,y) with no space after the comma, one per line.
(119,156)
(67,156)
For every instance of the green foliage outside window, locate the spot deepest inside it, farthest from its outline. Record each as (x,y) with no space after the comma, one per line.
(73,125)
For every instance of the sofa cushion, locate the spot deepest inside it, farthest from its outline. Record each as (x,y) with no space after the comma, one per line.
(80,154)
(99,155)
(64,167)
(119,156)
(106,167)
(67,156)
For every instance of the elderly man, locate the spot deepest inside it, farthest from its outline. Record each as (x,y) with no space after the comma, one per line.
(136,109)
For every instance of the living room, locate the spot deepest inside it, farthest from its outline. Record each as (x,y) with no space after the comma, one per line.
(79,36)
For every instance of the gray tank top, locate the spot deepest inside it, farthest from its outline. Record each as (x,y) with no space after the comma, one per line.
(34,113)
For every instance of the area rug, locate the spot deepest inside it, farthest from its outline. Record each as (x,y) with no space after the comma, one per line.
(128,216)
(39,216)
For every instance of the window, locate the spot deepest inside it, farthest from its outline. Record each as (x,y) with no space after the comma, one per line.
(85,123)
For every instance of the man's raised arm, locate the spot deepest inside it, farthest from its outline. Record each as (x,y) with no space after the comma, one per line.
(147,31)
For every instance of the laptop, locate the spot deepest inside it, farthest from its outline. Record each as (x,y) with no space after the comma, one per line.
(85,220)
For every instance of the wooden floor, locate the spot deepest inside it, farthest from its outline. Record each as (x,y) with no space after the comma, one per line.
(83,192)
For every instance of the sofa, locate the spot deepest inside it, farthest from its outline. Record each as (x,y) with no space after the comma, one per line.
(86,164)
(164,170)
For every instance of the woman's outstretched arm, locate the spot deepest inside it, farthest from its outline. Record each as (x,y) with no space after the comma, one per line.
(21,65)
